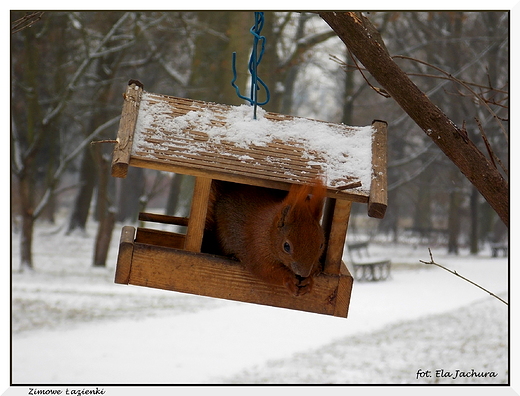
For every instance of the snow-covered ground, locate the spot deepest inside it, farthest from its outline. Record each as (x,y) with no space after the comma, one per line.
(72,325)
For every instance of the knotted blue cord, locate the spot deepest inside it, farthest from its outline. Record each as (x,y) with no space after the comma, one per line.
(254,60)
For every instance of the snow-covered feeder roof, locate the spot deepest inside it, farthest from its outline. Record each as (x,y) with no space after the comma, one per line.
(226,143)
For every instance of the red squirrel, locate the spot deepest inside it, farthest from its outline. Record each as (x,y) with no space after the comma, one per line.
(276,235)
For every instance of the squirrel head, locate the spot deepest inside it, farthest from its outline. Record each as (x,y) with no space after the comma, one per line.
(298,238)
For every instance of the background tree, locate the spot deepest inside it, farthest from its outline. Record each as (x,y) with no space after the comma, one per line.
(467,44)
(69,70)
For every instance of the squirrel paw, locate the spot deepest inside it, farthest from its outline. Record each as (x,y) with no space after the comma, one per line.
(298,286)
(305,285)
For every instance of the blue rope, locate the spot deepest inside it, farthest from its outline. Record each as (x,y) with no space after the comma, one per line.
(254,60)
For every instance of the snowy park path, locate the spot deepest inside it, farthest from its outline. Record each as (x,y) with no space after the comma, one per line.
(210,345)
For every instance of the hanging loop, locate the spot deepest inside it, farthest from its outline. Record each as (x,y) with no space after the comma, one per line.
(254,60)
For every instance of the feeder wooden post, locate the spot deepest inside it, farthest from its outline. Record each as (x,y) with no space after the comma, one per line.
(125,135)
(337,215)
(378,198)
(126,251)
(197,220)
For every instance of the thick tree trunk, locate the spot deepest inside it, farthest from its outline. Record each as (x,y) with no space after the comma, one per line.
(454,209)
(130,193)
(423,209)
(174,195)
(27,228)
(454,222)
(212,72)
(474,232)
(348,97)
(87,177)
(103,238)
(32,137)
(106,211)
(360,36)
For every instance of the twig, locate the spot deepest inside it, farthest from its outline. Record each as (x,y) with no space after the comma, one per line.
(462,83)
(26,21)
(460,276)
(380,91)
(348,67)
(95,53)
(349,186)
(65,161)
(103,141)
(491,153)
(486,142)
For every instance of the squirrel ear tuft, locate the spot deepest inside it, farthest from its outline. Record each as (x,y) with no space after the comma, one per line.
(311,195)
(283,215)
(317,197)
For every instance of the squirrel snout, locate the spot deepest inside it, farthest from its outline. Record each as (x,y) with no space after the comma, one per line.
(301,270)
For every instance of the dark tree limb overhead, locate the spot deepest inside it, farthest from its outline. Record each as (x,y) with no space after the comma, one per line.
(357,32)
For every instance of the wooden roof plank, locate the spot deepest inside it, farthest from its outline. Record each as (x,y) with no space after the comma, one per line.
(176,135)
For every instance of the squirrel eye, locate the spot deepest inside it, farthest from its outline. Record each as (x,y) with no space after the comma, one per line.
(287,247)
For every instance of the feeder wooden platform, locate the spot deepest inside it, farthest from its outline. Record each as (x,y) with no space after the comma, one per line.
(175,134)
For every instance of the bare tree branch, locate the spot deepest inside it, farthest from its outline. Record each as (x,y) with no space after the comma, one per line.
(26,21)
(494,158)
(414,174)
(378,90)
(431,119)
(302,46)
(65,162)
(347,67)
(81,69)
(460,276)
(462,83)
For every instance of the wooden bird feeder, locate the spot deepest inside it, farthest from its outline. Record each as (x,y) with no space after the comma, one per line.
(206,140)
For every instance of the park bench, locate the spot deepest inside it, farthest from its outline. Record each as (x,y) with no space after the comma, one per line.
(428,234)
(367,268)
(499,246)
